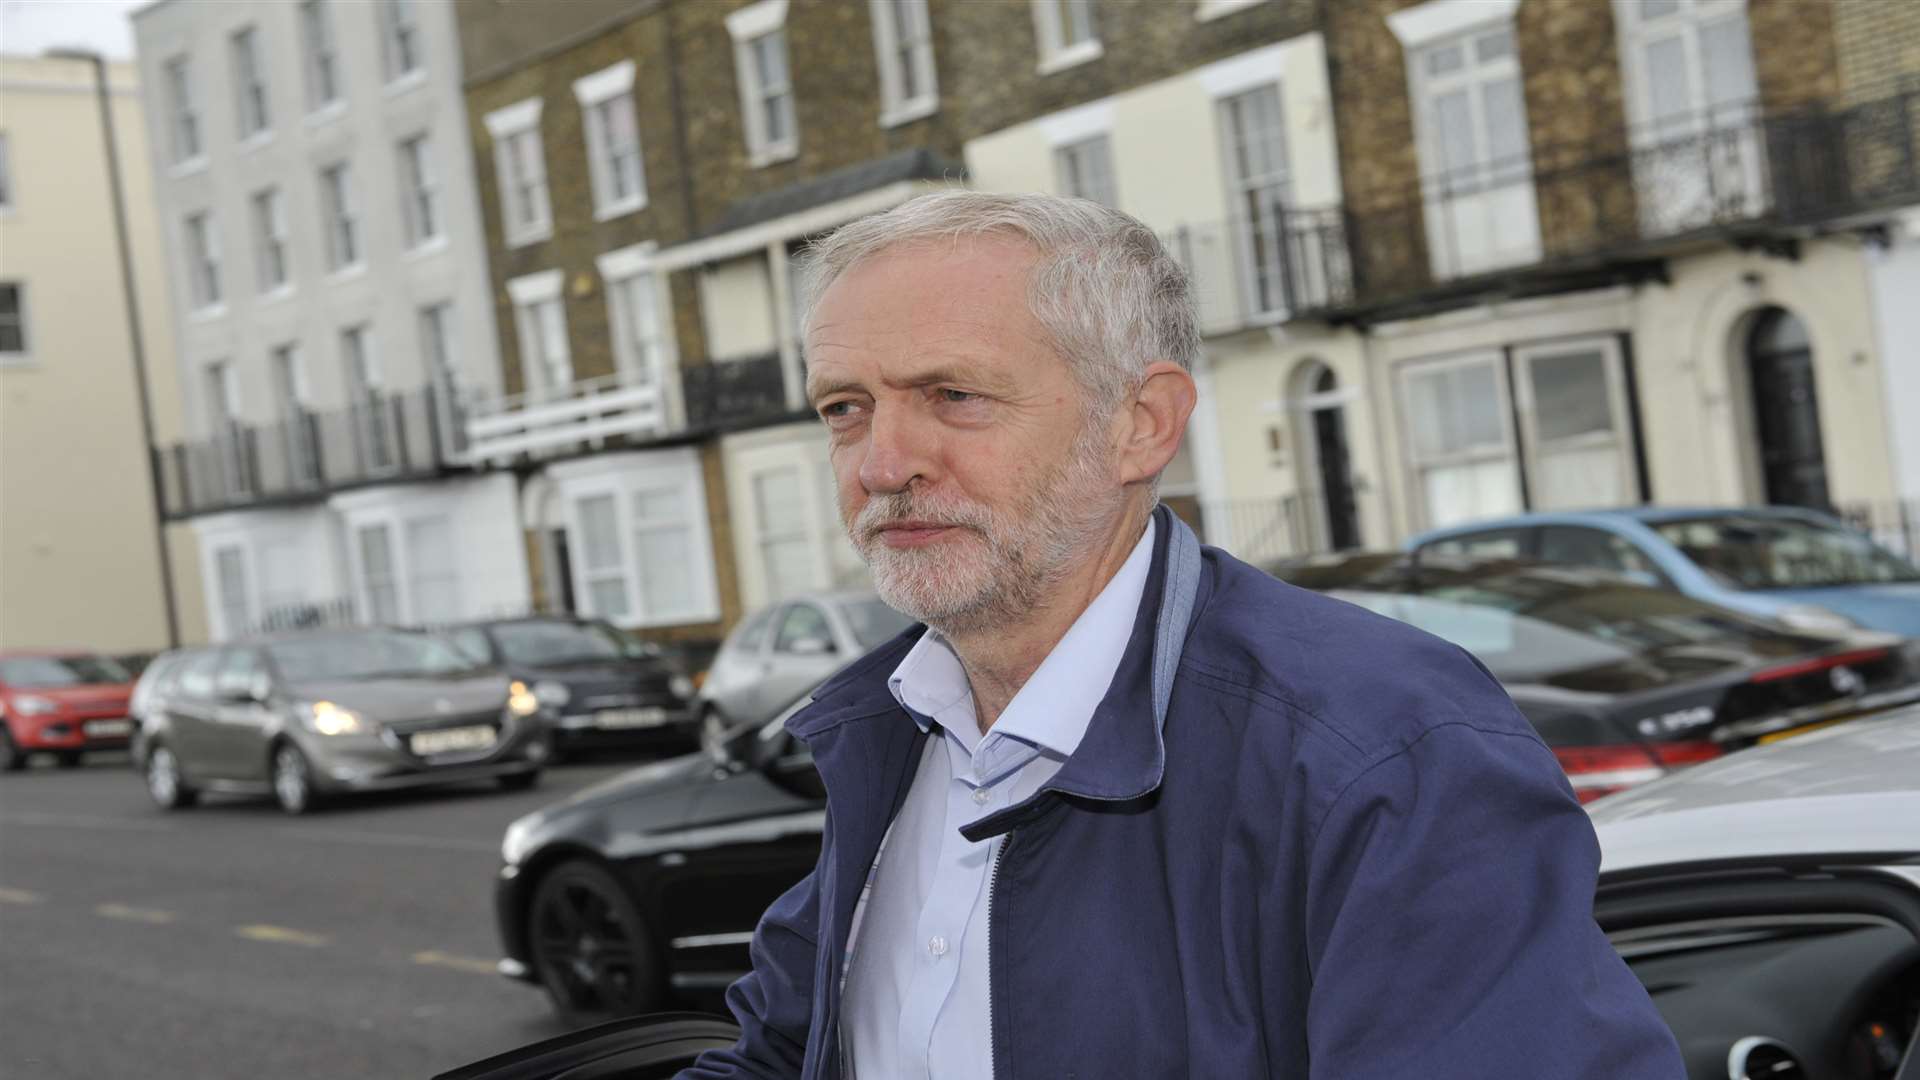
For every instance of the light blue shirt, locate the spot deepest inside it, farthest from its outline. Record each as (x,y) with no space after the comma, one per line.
(915,1000)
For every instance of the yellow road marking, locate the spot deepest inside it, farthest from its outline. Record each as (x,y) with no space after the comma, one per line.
(133,914)
(18,896)
(432,958)
(281,935)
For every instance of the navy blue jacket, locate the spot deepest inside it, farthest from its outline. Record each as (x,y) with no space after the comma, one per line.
(1335,851)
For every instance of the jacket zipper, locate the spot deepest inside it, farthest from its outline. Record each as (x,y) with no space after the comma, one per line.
(993,886)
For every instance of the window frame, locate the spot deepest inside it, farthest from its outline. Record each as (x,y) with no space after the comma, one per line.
(224,607)
(423,222)
(1533,450)
(1507,449)
(435,322)
(1268,228)
(530,294)
(23,356)
(320,55)
(253,110)
(1050,25)
(401,42)
(604,90)
(183,114)
(748,26)
(624,480)
(9,197)
(1069,159)
(508,125)
(206,294)
(895,57)
(341,218)
(270,241)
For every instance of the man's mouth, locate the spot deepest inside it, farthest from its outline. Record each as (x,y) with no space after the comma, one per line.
(910,534)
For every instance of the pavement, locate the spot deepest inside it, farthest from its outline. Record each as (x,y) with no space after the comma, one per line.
(230,940)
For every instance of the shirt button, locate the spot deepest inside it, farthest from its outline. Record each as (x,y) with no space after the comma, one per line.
(938,946)
(981,795)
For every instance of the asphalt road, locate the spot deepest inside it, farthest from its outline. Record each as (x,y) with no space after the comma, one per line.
(232,941)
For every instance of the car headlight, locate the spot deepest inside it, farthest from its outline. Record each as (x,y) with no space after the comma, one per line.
(681,687)
(548,692)
(28,705)
(326,718)
(1816,620)
(513,846)
(521,701)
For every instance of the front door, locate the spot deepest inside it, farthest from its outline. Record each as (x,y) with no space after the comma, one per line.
(1786,412)
(1336,477)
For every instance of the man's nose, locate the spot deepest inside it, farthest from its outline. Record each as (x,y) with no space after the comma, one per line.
(899,451)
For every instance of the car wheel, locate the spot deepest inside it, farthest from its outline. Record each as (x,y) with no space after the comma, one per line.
(69,759)
(12,759)
(164,782)
(590,949)
(520,781)
(292,780)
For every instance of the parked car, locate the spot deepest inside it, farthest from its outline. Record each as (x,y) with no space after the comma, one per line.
(1802,568)
(1769,902)
(69,704)
(607,688)
(786,649)
(1625,681)
(304,715)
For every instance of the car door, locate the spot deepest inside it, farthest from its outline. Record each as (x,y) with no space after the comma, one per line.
(186,713)
(733,684)
(239,722)
(804,654)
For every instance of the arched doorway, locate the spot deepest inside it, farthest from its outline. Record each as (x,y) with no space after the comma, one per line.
(1786,410)
(1327,462)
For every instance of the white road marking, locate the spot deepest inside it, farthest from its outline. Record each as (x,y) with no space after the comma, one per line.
(122,912)
(85,821)
(281,935)
(434,958)
(18,896)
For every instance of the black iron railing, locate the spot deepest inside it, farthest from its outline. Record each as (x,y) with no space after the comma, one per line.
(727,394)
(1264,269)
(379,437)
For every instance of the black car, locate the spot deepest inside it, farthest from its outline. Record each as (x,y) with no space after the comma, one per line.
(1626,682)
(642,892)
(606,687)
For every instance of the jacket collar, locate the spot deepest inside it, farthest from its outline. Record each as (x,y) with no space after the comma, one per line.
(1123,755)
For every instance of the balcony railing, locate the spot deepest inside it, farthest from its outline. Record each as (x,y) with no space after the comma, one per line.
(584,414)
(729,394)
(1735,173)
(1283,264)
(382,437)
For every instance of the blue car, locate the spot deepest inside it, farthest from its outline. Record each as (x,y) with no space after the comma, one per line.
(1805,569)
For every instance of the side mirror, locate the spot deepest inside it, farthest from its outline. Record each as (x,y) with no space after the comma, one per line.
(643,1048)
(811,646)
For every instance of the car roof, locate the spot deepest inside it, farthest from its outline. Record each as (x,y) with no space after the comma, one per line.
(1616,514)
(1851,789)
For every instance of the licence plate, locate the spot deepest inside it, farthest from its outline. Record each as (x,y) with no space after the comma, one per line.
(105,728)
(448,740)
(629,718)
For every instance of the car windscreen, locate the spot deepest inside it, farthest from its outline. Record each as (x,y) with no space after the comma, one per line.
(873,622)
(371,654)
(1755,552)
(557,644)
(45,672)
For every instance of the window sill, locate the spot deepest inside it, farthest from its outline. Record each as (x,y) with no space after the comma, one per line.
(277,294)
(773,155)
(620,209)
(347,273)
(183,169)
(1072,56)
(909,111)
(256,140)
(18,360)
(403,83)
(433,245)
(210,313)
(520,240)
(328,113)
(1214,9)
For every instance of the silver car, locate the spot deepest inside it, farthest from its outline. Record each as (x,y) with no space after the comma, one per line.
(1770,903)
(784,650)
(301,716)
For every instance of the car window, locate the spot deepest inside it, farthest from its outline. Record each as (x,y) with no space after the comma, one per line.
(803,622)
(1578,545)
(557,643)
(1751,551)
(873,622)
(196,675)
(52,671)
(236,674)
(1494,543)
(752,636)
(473,642)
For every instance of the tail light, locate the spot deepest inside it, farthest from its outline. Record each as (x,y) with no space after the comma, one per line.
(1603,770)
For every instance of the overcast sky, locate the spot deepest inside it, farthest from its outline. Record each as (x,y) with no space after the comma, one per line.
(30,27)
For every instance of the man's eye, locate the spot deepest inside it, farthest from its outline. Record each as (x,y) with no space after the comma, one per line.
(958,396)
(834,410)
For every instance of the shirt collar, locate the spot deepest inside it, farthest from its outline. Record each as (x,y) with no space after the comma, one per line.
(1053,708)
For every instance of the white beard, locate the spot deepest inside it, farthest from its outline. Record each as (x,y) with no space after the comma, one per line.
(1006,562)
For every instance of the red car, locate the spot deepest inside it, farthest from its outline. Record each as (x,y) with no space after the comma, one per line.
(63,703)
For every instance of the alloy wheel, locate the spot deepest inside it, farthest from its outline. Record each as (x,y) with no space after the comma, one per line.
(290,785)
(163,778)
(589,947)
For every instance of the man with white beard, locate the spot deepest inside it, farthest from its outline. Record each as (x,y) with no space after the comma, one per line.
(1125,806)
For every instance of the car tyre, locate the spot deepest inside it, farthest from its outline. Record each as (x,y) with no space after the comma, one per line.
(165,783)
(520,781)
(293,780)
(12,758)
(591,950)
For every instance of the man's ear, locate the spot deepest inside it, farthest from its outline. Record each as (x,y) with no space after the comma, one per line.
(1156,418)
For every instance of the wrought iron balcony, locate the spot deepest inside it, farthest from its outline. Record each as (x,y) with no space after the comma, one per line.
(381,438)
(1258,271)
(1599,211)
(726,395)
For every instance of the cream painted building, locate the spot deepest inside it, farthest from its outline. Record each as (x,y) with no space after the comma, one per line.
(79,560)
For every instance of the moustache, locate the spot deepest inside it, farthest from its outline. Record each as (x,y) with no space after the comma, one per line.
(888,511)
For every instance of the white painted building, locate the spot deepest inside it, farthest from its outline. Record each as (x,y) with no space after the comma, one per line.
(331,309)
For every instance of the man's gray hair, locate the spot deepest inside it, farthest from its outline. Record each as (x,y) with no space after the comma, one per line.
(1106,290)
